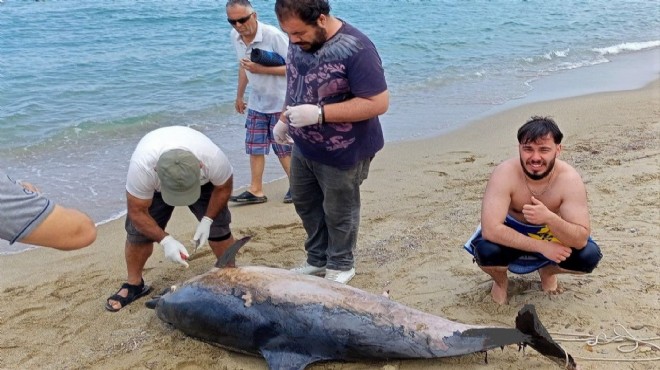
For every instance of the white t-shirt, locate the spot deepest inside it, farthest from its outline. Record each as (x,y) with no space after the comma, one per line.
(266,91)
(142,180)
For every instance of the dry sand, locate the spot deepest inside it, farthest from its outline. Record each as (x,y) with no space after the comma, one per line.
(420,203)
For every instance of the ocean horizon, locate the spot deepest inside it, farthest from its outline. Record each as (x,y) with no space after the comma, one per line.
(82,81)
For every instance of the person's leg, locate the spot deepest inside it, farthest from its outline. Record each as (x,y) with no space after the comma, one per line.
(581,261)
(548,275)
(285,162)
(257,146)
(499,290)
(283,153)
(494,260)
(138,248)
(220,237)
(341,205)
(257,165)
(308,201)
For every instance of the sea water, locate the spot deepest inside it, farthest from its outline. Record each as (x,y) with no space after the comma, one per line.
(81,81)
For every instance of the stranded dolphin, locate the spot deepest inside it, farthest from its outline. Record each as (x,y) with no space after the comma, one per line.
(294,320)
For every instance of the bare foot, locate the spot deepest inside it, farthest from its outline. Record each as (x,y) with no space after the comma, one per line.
(499,293)
(116,304)
(550,285)
(549,282)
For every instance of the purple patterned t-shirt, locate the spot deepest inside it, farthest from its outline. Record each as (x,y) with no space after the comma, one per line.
(346,66)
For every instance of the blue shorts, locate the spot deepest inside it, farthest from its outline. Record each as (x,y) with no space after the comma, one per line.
(488,254)
(259,134)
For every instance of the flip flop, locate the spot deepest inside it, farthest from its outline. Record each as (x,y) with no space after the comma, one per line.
(248,198)
(134,292)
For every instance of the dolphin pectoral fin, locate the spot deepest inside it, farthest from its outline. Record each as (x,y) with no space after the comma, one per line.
(287,360)
(230,253)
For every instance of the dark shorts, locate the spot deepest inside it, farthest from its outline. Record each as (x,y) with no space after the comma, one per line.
(259,134)
(161,212)
(488,254)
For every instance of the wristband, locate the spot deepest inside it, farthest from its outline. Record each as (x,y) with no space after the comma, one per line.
(321,115)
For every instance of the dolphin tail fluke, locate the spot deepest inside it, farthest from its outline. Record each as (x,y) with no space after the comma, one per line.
(528,322)
(230,253)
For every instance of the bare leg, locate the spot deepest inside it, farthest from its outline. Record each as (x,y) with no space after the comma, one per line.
(286,164)
(500,283)
(548,275)
(257,164)
(136,256)
(219,248)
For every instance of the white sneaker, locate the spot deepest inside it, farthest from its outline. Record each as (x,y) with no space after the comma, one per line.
(307,269)
(340,276)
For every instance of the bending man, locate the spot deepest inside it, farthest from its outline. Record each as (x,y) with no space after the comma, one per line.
(172,166)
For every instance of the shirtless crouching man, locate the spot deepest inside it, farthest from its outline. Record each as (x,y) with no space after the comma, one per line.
(535,205)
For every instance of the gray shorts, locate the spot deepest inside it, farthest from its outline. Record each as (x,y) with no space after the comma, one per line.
(21,211)
(161,212)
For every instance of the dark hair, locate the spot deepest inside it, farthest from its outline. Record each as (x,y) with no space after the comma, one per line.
(308,11)
(538,127)
(245,3)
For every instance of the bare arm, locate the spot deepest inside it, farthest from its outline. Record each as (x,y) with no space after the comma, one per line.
(571,226)
(219,198)
(138,212)
(495,207)
(240,105)
(357,109)
(257,68)
(63,229)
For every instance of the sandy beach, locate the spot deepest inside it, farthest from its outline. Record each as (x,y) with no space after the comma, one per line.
(420,204)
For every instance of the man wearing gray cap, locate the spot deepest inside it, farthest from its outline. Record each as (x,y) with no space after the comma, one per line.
(172,166)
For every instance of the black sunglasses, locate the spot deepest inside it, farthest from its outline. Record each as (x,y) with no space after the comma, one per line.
(239,20)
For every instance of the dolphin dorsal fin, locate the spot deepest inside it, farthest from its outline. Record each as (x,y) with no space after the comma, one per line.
(230,253)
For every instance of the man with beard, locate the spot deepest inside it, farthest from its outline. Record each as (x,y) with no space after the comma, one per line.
(534,215)
(336,90)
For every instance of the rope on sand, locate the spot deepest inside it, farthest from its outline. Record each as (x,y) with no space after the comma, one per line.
(631,344)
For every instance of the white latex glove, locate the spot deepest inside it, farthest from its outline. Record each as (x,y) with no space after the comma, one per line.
(302,115)
(174,251)
(281,133)
(202,232)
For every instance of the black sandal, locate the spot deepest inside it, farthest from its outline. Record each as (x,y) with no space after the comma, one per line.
(134,292)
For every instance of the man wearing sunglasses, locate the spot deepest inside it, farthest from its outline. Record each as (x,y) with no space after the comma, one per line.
(336,90)
(268,86)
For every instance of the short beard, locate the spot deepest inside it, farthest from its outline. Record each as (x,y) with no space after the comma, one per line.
(320,37)
(540,176)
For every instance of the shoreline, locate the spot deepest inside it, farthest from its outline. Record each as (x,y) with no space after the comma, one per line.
(420,204)
(625,71)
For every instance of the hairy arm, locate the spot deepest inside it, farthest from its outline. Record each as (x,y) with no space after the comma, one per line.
(257,68)
(64,229)
(357,109)
(219,198)
(138,212)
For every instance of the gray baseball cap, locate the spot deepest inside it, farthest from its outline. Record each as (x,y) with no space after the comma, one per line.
(179,173)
